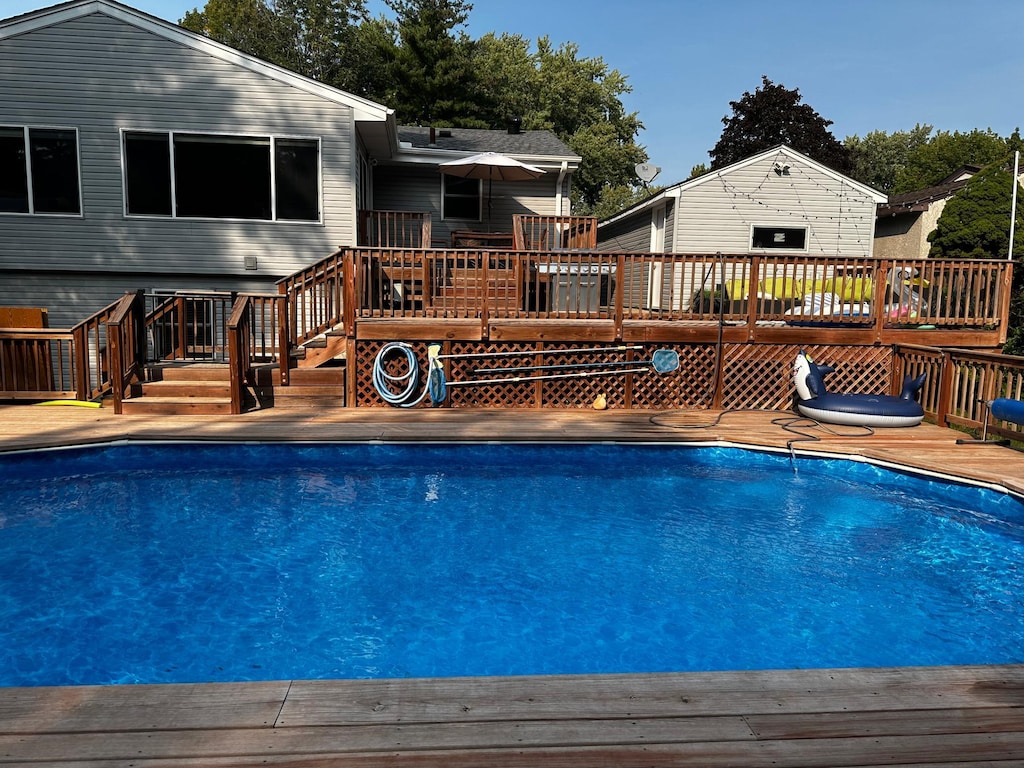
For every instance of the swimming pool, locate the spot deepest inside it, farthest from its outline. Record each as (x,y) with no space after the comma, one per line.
(252,562)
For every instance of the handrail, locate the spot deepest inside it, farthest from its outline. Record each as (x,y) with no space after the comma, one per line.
(960,383)
(394,229)
(547,233)
(253,334)
(126,347)
(857,292)
(38,364)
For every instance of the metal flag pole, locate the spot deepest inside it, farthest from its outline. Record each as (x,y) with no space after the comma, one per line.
(1013,206)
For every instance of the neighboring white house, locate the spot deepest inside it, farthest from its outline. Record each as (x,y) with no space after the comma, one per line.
(778,201)
(136,154)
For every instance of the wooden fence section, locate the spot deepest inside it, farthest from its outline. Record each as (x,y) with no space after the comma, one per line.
(394,229)
(876,300)
(961,383)
(552,233)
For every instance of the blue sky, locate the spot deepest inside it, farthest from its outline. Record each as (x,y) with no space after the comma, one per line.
(866,65)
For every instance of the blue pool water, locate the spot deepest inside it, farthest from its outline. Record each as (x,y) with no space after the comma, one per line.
(218,563)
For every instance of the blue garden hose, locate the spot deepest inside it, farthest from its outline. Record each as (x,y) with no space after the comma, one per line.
(382,381)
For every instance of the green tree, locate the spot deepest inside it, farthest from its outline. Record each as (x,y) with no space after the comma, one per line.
(773,115)
(248,25)
(577,98)
(975,223)
(880,157)
(320,39)
(945,153)
(430,63)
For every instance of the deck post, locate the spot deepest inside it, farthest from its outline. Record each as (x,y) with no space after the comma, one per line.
(753,280)
(878,297)
(620,271)
(284,339)
(1005,294)
(942,407)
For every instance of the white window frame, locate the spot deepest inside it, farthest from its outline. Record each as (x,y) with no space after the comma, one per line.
(25,130)
(807,238)
(273,139)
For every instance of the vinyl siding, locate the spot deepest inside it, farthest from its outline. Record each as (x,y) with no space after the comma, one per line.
(71,297)
(410,188)
(101,75)
(632,234)
(717,215)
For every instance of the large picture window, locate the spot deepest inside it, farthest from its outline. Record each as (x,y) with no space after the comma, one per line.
(779,238)
(39,170)
(191,175)
(461,198)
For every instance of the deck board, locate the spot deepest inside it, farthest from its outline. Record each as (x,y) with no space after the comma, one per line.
(925,717)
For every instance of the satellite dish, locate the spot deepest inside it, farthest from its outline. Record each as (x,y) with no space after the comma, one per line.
(646,172)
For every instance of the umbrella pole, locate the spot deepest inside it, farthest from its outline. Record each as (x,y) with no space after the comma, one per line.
(489,182)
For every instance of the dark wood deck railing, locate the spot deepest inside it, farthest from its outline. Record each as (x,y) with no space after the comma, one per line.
(38,364)
(961,383)
(753,291)
(394,229)
(256,336)
(126,345)
(550,233)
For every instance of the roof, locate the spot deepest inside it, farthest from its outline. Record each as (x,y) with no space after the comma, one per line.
(779,150)
(539,148)
(919,200)
(364,109)
(475,140)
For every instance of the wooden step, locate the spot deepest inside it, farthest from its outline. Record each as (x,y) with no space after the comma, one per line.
(180,406)
(190,372)
(182,388)
(303,397)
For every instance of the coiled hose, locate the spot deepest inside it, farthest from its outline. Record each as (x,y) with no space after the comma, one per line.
(382,380)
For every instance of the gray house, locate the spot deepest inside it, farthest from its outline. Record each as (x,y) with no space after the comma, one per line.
(136,154)
(778,201)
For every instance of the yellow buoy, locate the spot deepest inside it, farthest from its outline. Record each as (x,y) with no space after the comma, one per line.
(600,402)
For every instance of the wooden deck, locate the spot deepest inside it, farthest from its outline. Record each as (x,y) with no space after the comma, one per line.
(921,717)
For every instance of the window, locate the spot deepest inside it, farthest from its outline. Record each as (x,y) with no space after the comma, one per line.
(779,238)
(461,198)
(43,179)
(221,177)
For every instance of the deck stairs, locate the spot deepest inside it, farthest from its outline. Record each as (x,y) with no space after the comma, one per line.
(182,388)
(316,379)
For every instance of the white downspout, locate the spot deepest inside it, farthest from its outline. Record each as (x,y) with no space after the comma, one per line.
(558,188)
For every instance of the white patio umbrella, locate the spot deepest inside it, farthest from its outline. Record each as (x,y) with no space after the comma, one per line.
(491,166)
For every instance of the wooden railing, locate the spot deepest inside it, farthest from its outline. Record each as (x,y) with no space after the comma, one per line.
(255,336)
(871,294)
(551,233)
(394,229)
(126,345)
(38,364)
(87,362)
(188,325)
(960,384)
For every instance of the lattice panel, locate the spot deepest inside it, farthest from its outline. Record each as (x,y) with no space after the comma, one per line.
(761,376)
(505,395)
(754,376)
(581,391)
(691,386)
(395,365)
